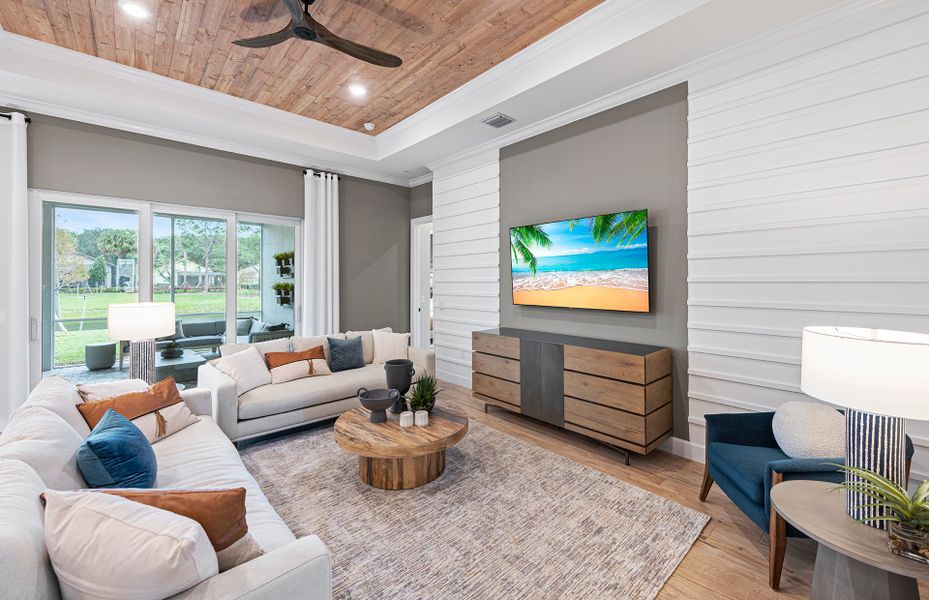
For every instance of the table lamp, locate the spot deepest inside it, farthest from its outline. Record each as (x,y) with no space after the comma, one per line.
(140,324)
(881,378)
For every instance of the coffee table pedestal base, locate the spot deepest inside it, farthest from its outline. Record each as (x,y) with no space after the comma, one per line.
(838,577)
(401,473)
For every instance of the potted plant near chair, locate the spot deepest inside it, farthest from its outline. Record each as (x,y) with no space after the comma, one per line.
(172,350)
(285,263)
(907,515)
(285,292)
(423,393)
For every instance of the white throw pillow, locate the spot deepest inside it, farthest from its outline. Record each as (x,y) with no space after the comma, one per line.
(45,442)
(247,368)
(295,370)
(388,346)
(320,367)
(101,391)
(278,345)
(104,546)
(809,430)
(367,342)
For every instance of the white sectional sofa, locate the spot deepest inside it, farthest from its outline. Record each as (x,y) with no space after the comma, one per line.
(37,452)
(277,407)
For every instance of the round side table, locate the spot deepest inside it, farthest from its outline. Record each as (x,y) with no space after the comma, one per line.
(852,559)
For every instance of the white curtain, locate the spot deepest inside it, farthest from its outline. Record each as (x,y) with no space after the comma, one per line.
(320,296)
(14,266)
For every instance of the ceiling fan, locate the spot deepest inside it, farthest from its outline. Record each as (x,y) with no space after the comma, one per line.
(305,27)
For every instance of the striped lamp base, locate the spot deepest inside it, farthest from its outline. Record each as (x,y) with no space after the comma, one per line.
(142,360)
(876,443)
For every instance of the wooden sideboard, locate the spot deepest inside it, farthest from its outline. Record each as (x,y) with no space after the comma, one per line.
(615,392)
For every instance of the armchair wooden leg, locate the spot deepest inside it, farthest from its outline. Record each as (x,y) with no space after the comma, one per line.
(707,483)
(777,540)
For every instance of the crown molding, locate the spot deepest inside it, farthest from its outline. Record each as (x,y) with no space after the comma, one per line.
(420,180)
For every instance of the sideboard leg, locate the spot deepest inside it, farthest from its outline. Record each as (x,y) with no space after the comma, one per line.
(486,409)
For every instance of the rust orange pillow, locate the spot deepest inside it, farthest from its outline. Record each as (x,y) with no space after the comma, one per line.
(279,359)
(158,411)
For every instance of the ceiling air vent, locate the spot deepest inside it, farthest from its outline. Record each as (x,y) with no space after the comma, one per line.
(498,120)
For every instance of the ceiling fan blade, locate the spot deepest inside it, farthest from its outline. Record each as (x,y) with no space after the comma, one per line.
(359,51)
(296,11)
(263,41)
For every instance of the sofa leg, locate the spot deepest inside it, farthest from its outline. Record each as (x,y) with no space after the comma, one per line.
(707,483)
(777,540)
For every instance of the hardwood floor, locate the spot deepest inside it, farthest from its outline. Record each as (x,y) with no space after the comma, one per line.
(728,561)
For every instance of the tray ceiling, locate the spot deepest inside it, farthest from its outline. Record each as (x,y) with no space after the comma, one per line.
(443,44)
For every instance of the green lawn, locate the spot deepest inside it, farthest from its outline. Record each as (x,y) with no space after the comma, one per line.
(69,345)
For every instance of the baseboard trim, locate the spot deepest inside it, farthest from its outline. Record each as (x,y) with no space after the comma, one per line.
(684,449)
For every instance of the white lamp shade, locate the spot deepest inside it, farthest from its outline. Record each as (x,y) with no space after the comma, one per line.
(871,370)
(142,321)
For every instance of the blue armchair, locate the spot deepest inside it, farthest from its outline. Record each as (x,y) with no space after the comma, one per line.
(744,460)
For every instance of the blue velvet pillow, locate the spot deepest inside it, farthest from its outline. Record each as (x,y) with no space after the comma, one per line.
(117,455)
(346,354)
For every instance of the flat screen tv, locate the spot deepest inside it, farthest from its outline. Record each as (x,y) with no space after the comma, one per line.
(596,262)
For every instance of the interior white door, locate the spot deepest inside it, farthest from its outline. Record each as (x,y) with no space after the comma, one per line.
(421,282)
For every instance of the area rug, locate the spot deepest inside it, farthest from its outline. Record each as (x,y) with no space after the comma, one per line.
(507,519)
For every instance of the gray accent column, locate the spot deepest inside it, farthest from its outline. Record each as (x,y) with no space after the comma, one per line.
(552,378)
(530,378)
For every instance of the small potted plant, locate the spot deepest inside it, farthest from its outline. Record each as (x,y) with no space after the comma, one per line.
(172,350)
(907,515)
(285,263)
(285,292)
(422,394)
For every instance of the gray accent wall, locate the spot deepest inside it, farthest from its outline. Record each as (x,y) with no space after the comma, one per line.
(421,200)
(76,157)
(630,157)
(374,249)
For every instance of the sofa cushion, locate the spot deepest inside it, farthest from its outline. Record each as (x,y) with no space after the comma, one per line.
(24,566)
(293,395)
(278,345)
(809,430)
(305,343)
(243,326)
(345,354)
(91,392)
(60,396)
(104,546)
(744,465)
(42,440)
(367,341)
(116,454)
(202,457)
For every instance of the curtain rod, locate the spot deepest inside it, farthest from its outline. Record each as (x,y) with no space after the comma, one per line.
(10,117)
(317,173)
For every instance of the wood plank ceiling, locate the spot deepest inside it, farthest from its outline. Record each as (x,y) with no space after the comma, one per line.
(443,44)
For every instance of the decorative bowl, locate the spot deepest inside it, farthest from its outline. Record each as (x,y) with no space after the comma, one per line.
(377,401)
(172,353)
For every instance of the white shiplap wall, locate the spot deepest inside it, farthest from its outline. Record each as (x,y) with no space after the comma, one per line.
(466,258)
(808,204)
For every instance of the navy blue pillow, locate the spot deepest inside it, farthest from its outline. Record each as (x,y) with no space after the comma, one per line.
(117,455)
(346,354)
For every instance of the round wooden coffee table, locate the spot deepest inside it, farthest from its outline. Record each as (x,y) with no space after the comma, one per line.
(391,457)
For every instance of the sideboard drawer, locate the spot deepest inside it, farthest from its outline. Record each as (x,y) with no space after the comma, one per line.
(617,394)
(638,429)
(614,365)
(501,389)
(498,366)
(495,344)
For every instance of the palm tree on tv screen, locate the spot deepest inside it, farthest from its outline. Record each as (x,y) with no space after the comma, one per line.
(619,227)
(522,239)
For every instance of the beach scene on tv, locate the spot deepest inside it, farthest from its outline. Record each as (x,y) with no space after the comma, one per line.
(595,262)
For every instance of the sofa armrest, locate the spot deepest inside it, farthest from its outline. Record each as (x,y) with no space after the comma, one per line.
(198,400)
(744,429)
(804,469)
(300,569)
(423,360)
(223,396)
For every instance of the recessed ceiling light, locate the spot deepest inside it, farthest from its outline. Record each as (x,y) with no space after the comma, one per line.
(134,9)
(369,126)
(356,89)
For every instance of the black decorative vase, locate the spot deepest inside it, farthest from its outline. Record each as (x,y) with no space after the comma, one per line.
(172,353)
(399,377)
